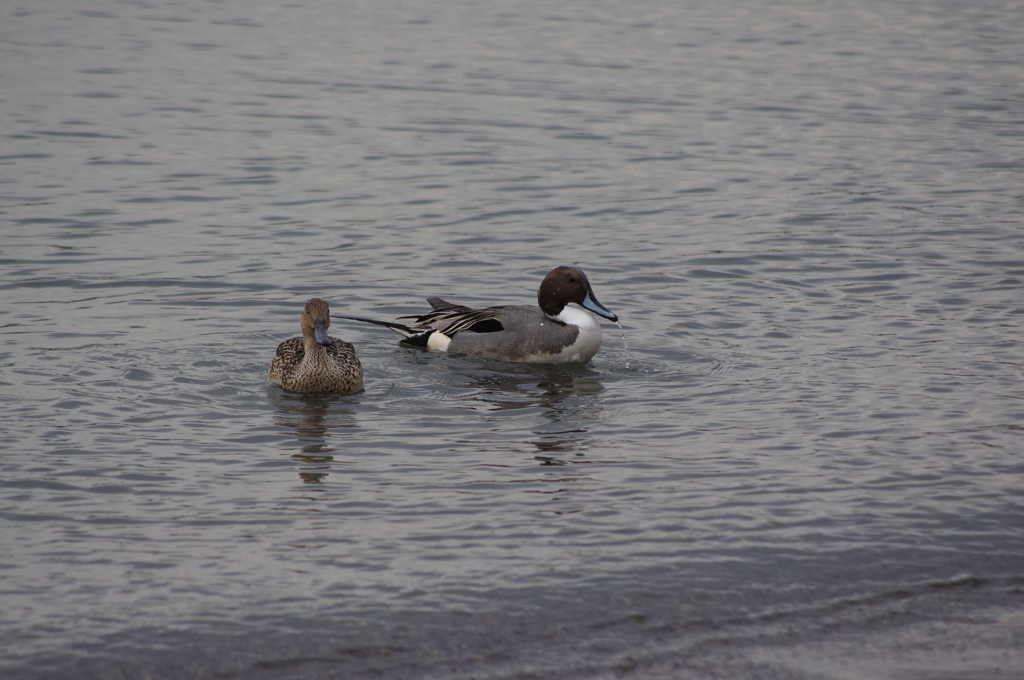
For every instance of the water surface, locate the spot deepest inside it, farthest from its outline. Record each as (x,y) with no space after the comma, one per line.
(799,458)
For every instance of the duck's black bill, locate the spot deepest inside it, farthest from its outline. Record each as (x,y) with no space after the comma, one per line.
(590,302)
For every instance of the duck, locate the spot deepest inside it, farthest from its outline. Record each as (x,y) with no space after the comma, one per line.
(316,362)
(560,329)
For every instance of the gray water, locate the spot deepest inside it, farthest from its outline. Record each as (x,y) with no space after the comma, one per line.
(801,457)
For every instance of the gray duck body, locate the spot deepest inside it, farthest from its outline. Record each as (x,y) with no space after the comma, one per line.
(527,334)
(559,330)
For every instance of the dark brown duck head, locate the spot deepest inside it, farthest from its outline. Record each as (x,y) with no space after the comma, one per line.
(563,285)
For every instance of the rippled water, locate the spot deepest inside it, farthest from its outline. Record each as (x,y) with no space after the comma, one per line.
(801,457)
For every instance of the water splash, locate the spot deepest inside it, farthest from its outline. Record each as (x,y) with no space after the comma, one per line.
(624,345)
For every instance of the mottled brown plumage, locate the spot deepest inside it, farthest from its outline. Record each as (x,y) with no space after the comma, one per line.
(316,362)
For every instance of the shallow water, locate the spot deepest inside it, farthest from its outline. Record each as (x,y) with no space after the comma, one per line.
(800,458)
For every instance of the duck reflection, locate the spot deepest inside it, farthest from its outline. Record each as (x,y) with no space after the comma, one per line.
(530,388)
(311,417)
(558,448)
(563,396)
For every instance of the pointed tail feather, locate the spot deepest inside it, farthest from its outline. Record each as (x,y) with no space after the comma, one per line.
(396,327)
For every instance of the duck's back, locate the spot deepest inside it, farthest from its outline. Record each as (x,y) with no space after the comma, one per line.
(527,335)
(335,369)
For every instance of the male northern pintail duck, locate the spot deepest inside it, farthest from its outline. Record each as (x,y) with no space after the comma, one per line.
(316,362)
(552,333)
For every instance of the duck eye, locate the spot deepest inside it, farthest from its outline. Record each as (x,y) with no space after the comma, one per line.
(572,279)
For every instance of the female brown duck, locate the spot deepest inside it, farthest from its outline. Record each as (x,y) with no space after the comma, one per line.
(316,362)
